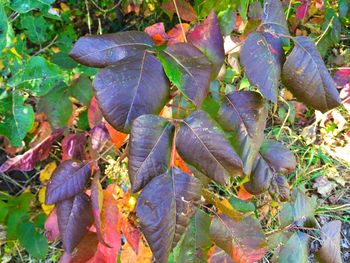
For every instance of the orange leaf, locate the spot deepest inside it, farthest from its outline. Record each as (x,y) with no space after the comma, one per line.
(184,8)
(129,256)
(117,137)
(157,33)
(181,164)
(176,35)
(94,113)
(243,194)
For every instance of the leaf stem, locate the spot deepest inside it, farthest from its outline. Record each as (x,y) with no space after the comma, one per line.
(173,149)
(178,14)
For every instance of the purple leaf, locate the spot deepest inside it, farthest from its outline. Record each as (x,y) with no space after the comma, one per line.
(99,135)
(262,57)
(165,208)
(207,38)
(29,159)
(188,69)
(243,115)
(103,50)
(306,76)
(330,250)
(73,147)
(201,143)
(149,151)
(74,219)
(66,181)
(273,17)
(129,88)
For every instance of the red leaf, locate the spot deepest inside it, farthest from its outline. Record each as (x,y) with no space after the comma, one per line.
(176,34)
(94,113)
(97,203)
(207,37)
(28,160)
(131,233)
(51,227)
(110,227)
(73,147)
(186,11)
(302,10)
(342,77)
(117,137)
(243,194)
(44,131)
(86,248)
(157,33)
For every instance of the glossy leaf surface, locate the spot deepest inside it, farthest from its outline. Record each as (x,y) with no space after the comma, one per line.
(201,143)
(74,219)
(207,38)
(243,241)
(129,88)
(66,181)
(103,50)
(306,76)
(262,55)
(165,207)
(149,151)
(243,115)
(188,69)
(273,158)
(273,17)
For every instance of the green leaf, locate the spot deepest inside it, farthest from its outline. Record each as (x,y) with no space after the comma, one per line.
(189,70)
(196,241)
(3,212)
(295,249)
(16,118)
(35,28)
(24,6)
(343,8)
(227,21)
(15,218)
(3,27)
(57,106)
(81,89)
(244,241)
(38,76)
(35,243)
(242,206)
(63,60)
(304,209)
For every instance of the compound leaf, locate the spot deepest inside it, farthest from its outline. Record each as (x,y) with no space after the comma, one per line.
(273,158)
(189,70)
(243,115)
(103,50)
(129,88)
(149,151)
(16,118)
(262,56)
(74,219)
(66,181)
(207,38)
(165,207)
(330,250)
(306,76)
(201,143)
(243,240)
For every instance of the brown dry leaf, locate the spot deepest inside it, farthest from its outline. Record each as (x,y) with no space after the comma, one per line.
(324,186)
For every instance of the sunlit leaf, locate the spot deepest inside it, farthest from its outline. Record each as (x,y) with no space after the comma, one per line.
(104,50)
(16,118)
(210,152)
(28,160)
(67,180)
(207,38)
(188,69)
(306,76)
(129,88)
(244,241)
(330,251)
(165,207)
(149,152)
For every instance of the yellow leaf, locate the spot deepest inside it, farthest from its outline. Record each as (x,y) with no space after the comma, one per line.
(129,256)
(14,51)
(64,6)
(41,196)
(46,173)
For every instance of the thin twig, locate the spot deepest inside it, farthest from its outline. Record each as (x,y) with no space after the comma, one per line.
(46,47)
(88,16)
